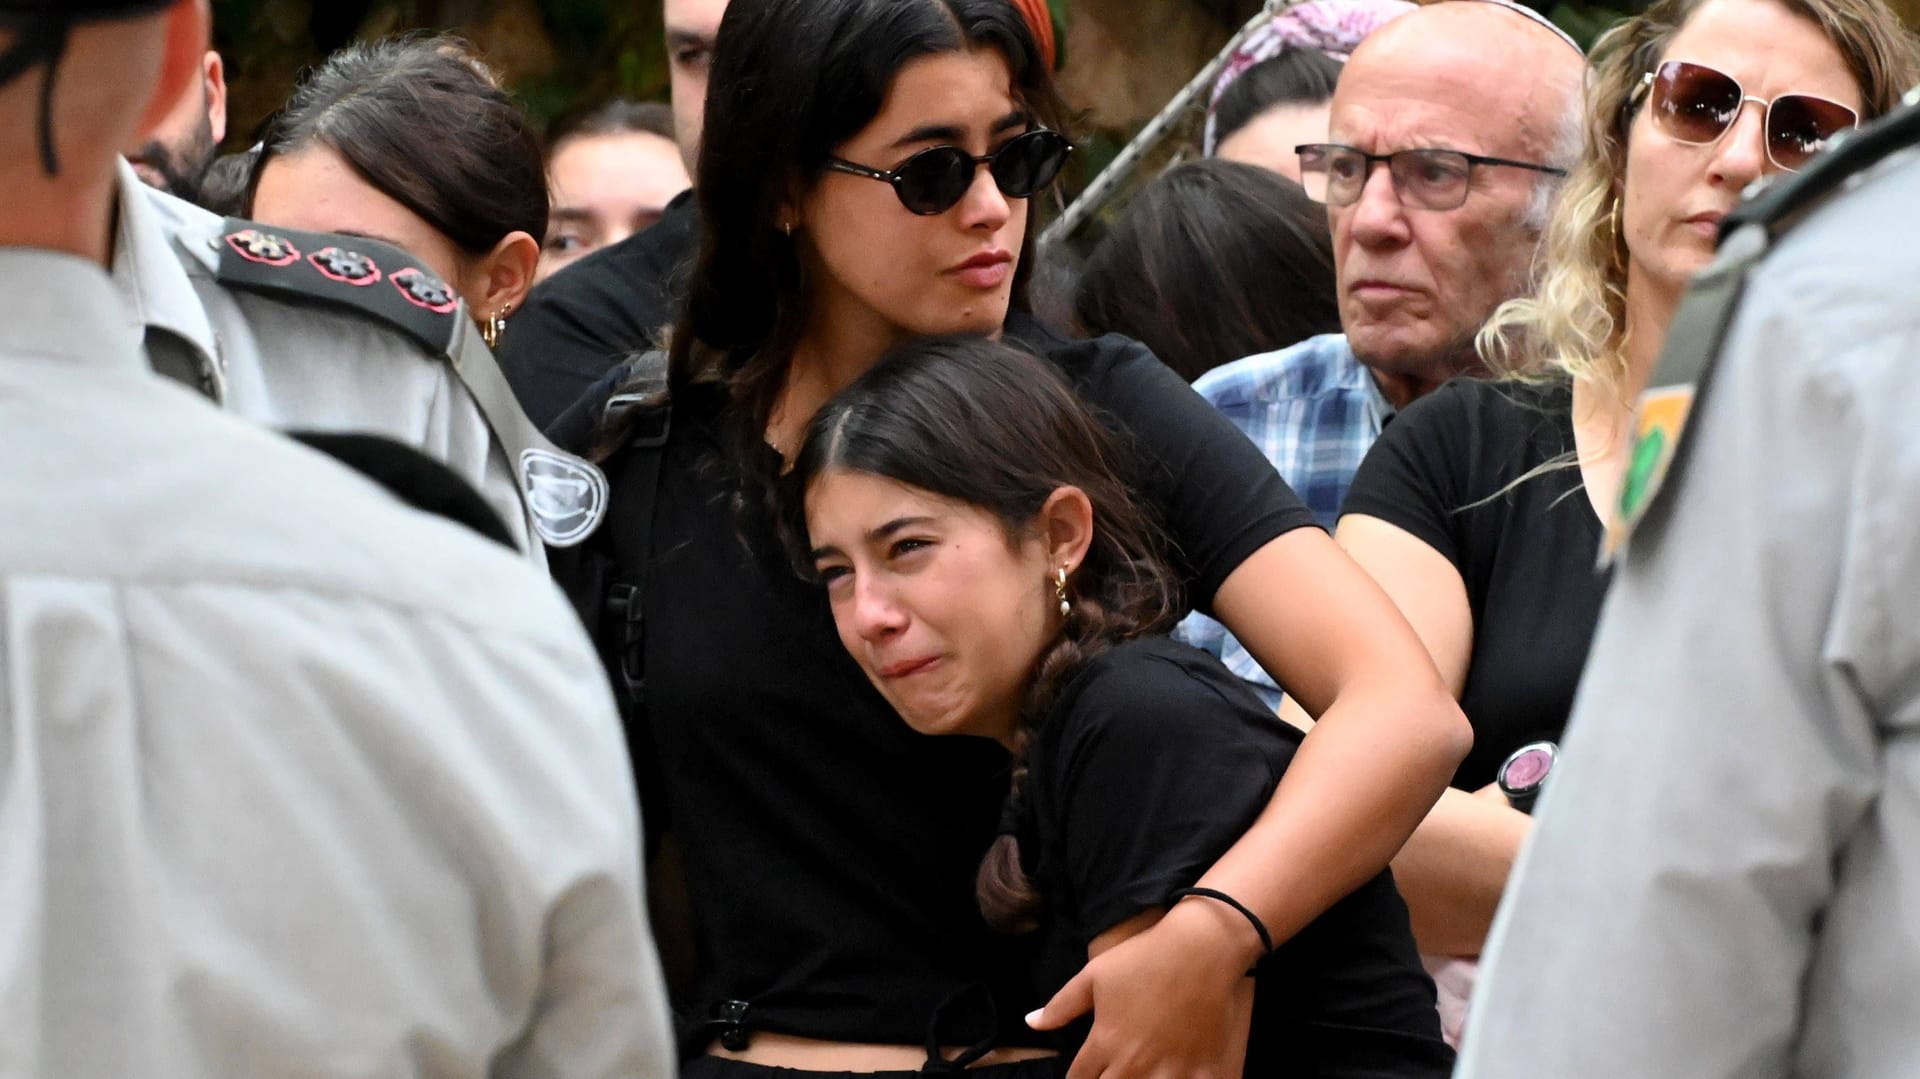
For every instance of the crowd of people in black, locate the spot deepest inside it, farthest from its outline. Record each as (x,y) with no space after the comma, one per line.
(1254,557)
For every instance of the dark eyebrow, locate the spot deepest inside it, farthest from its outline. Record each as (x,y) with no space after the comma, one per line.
(950,133)
(681,38)
(569,213)
(874,535)
(374,236)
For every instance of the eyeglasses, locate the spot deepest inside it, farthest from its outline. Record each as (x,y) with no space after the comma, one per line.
(1695,104)
(934,181)
(1430,179)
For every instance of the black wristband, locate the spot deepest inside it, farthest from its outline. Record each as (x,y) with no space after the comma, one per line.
(1259,927)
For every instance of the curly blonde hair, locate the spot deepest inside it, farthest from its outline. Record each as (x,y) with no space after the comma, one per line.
(1573,323)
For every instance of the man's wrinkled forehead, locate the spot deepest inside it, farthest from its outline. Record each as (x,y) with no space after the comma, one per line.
(1446,75)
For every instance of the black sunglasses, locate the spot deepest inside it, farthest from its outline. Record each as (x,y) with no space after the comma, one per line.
(934,181)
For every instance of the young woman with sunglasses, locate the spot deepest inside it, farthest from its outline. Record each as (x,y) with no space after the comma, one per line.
(845,209)
(1480,510)
(989,571)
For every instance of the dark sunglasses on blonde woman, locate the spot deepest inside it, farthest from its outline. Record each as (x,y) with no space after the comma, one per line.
(934,181)
(1695,104)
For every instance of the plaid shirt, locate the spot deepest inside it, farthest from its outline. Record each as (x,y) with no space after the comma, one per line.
(1314,410)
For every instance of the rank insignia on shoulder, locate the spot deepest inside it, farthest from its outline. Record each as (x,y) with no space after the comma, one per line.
(263,247)
(346,267)
(339,271)
(422,289)
(566,495)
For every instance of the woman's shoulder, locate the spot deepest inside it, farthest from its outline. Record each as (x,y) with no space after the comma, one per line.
(1153,689)
(1491,414)
(1098,366)
(1487,400)
(1141,663)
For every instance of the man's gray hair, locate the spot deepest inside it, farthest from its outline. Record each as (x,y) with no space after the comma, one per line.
(1569,143)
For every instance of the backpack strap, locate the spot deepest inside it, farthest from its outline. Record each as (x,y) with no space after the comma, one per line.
(605,577)
(645,406)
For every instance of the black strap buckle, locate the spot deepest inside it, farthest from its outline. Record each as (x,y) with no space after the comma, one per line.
(644,394)
(623,603)
(650,428)
(970,1004)
(729,1024)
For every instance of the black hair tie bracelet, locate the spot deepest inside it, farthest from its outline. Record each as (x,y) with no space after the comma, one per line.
(1259,927)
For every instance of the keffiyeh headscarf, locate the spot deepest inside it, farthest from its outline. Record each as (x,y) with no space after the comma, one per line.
(1334,27)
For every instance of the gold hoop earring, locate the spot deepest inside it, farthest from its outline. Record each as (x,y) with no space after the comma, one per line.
(1060,591)
(1618,233)
(492,328)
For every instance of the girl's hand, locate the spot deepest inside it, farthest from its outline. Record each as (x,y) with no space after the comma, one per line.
(1169,1002)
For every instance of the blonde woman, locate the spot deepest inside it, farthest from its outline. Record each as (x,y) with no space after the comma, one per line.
(1480,508)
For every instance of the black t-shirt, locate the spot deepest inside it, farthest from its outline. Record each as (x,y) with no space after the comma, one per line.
(829,850)
(596,312)
(1441,471)
(1152,762)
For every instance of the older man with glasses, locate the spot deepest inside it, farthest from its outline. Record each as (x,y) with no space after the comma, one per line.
(1450,129)
(1437,173)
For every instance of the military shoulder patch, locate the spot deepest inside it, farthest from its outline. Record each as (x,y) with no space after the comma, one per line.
(567,496)
(1679,381)
(376,279)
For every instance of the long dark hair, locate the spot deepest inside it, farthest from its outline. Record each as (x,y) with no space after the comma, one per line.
(791,80)
(1215,260)
(1298,76)
(424,121)
(996,428)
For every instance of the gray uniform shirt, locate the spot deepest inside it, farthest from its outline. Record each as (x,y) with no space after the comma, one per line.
(311,367)
(1725,877)
(293,780)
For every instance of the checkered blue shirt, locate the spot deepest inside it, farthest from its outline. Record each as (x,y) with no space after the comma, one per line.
(1314,410)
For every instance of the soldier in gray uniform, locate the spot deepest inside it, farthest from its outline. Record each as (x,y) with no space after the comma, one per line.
(333,333)
(1725,874)
(293,780)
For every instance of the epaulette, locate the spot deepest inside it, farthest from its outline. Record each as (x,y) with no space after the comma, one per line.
(371,277)
(1701,322)
(565,497)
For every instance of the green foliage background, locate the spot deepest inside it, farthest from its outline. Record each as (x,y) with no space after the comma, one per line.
(558,54)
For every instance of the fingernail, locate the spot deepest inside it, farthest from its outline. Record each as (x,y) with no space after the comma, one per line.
(1033,1017)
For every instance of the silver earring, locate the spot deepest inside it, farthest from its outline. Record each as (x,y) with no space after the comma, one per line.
(1060,591)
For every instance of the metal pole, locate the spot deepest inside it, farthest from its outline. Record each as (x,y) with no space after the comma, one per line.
(1108,182)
